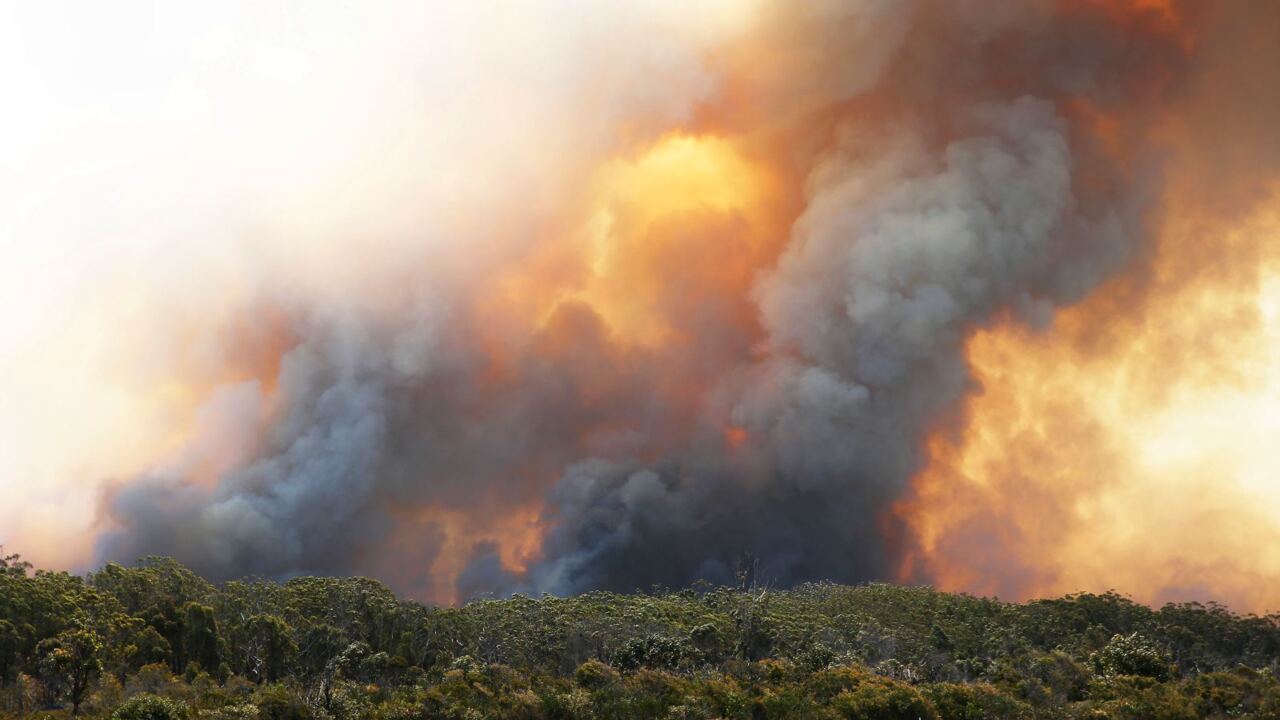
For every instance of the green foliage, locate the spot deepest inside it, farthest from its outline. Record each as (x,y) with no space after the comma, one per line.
(594,675)
(885,702)
(974,702)
(156,640)
(199,636)
(654,651)
(278,702)
(148,707)
(148,647)
(69,662)
(10,645)
(269,647)
(1132,654)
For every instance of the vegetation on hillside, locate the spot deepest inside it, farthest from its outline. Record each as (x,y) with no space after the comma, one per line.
(157,642)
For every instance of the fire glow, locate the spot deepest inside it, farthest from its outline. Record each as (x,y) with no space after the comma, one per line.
(1131,450)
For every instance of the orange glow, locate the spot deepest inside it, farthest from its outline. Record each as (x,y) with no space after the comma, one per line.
(1130,447)
(691,206)
(1166,17)
(735,437)
(687,203)
(516,536)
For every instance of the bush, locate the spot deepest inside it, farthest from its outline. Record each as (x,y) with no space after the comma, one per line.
(893,701)
(148,707)
(245,711)
(1132,655)
(973,702)
(594,674)
(153,679)
(277,702)
(654,651)
(815,657)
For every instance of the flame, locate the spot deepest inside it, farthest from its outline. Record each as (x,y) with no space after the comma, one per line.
(1131,447)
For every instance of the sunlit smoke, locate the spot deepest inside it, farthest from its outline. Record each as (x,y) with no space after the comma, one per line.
(1128,446)
(541,296)
(1122,453)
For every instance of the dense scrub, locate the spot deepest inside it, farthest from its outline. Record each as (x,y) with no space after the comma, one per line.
(156,641)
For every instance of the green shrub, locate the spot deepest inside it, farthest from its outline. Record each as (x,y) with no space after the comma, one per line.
(244,711)
(1133,655)
(658,652)
(148,707)
(973,702)
(277,702)
(887,701)
(594,674)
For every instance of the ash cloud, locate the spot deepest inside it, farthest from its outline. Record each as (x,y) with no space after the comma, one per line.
(955,171)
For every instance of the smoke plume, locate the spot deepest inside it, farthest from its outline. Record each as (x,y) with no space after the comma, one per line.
(942,199)
(955,167)
(625,297)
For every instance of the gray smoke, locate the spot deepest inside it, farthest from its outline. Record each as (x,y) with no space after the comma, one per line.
(866,312)
(953,176)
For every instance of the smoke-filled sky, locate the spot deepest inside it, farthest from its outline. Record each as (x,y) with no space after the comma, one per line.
(554,296)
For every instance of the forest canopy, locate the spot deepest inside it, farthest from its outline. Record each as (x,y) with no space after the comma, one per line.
(156,641)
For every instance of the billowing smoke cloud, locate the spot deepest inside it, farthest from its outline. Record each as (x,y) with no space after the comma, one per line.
(1130,447)
(528,422)
(963,198)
